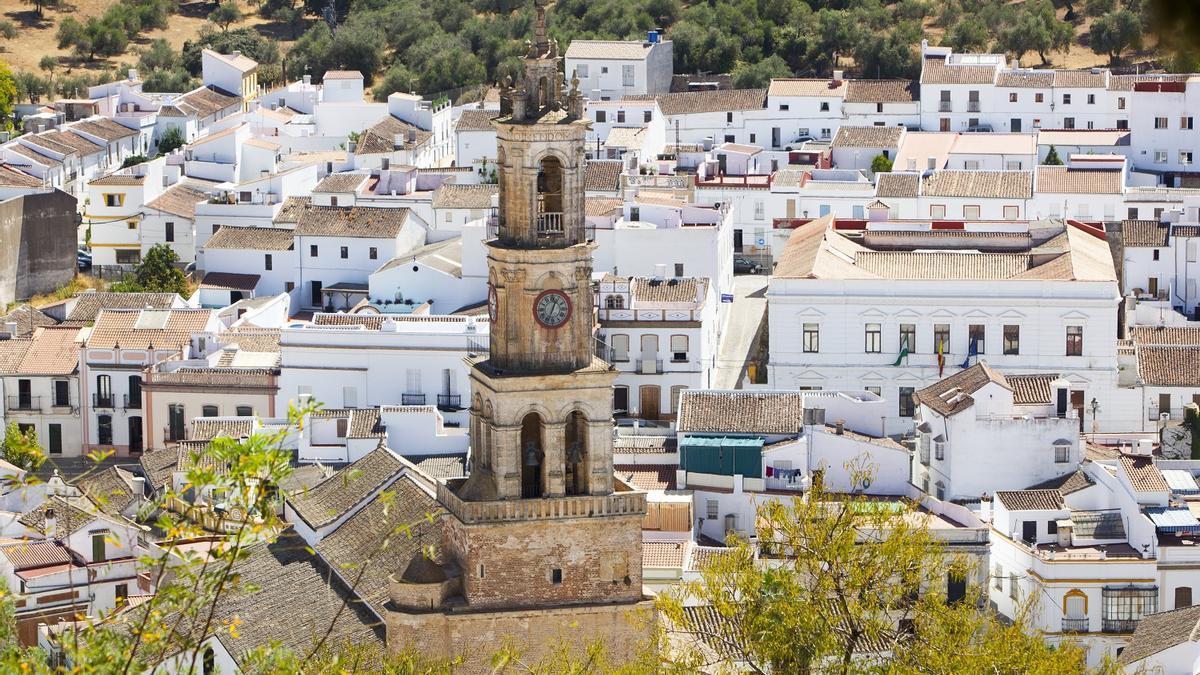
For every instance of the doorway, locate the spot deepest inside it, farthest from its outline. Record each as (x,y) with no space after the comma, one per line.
(1077,405)
(1029,531)
(649,396)
(135,435)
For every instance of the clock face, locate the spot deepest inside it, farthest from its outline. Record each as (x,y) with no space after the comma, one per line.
(492,302)
(552,308)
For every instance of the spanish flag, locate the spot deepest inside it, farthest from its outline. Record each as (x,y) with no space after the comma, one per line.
(941,354)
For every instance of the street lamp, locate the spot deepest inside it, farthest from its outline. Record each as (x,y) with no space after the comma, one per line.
(1095,405)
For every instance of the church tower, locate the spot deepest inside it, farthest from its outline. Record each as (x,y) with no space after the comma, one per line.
(541,537)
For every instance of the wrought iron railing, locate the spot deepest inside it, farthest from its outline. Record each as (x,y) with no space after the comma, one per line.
(103,401)
(24,402)
(1076,625)
(412,399)
(449,401)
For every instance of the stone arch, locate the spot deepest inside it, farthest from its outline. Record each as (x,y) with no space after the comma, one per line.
(551,172)
(577,458)
(548,280)
(477,403)
(532,456)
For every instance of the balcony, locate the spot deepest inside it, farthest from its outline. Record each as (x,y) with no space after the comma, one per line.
(1076,625)
(133,402)
(25,403)
(448,402)
(412,399)
(972,106)
(550,224)
(548,508)
(1153,413)
(103,401)
(944,106)
(650,366)
(1118,625)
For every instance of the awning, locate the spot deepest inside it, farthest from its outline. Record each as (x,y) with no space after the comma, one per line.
(230,281)
(1174,520)
(1180,481)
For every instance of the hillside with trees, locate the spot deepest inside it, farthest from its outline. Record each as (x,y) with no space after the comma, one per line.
(445,46)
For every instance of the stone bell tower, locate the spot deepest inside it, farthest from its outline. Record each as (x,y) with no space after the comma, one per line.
(541,537)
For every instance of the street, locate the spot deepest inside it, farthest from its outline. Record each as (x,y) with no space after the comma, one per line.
(749,305)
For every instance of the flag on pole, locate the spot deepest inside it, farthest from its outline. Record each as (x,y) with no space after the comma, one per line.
(972,350)
(903,355)
(941,358)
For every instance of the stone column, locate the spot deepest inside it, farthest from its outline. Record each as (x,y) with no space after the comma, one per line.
(506,461)
(553,463)
(599,461)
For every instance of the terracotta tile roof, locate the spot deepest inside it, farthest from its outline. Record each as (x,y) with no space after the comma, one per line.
(1031,389)
(1144,233)
(689,102)
(704,555)
(49,351)
(33,553)
(179,200)
(230,281)
(255,238)
(648,476)
(103,127)
(291,210)
(1031,500)
(341,182)
(208,428)
(476,120)
(1169,365)
(89,303)
(1080,79)
(868,137)
(29,153)
(1079,181)
(455,196)
(752,412)
(602,176)
(381,539)
(1019,79)
(1067,483)
(76,142)
(27,319)
(942,264)
(1165,335)
(341,75)
(237,60)
(341,492)
(139,329)
(1156,633)
(47,141)
(364,423)
(351,221)
(1143,474)
(882,91)
(937,71)
(1126,82)
(206,101)
(952,394)
(382,137)
(70,514)
(793,86)
(11,176)
(981,184)
(111,489)
(625,50)
(158,466)
(635,445)
(440,467)
(897,184)
(119,178)
(688,289)
(661,554)
(601,206)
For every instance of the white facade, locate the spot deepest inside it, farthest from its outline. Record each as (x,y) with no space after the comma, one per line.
(609,70)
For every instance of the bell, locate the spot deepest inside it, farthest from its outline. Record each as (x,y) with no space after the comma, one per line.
(531,454)
(575,453)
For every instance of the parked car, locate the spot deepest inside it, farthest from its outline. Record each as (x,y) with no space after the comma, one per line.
(745,266)
(83,259)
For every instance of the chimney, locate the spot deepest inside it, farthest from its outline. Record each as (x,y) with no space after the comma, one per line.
(985,507)
(412,135)
(139,489)
(840,427)
(11,327)
(308,79)
(236,54)
(838,75)
(133,73)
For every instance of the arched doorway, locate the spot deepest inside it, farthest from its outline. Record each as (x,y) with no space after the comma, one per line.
(576,446)
(532,456)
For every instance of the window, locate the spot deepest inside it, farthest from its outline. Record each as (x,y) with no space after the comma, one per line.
(1185,156)
(940,490)
(245,411)
(1074,340)
(1014,591)
(1154,254)
(1124,606)
(620,117)
(175,424)
(614,302)
(937,210)
(1066,99)
(812,338)
(62,393)
(679,269)
(333,201)
(1012,212)
(1052,527)
(1120,103)
(879,108)
(939,452)
(676,392)
(824,106)
(581,70)
(759,210)
(556,575)
(620,346)
(104,391)
(1160,123)
(873,338)
(104,430)
(1091,99)
(169,231)
(998,577)
(135,392)
(971,165)
(1068,122)
(753,139)
(601,116)
(244,196)
(906,408)
(971,212)
(114,200)
(1160,156)
(1039,97)
(784,106)
(345,253)
(1012,97)
(1185,123)
(1012,339)
(941,337)
(679,347)
(122,593)
(98,547)
(729,118)
(1183,597)
(908,337)
(209,411)
(267,261)
(1037,123)
(711,509)
(1062,453)
(312,251)
(975,338)
(289,286)
(878,391)
(54,439)
(128,257)
(620,400)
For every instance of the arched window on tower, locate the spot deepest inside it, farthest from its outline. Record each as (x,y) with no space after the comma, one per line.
(532,455)
(576,446)
(614,302)
(550,197)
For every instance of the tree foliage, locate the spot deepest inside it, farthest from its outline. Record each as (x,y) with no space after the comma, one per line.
(8,97)
(21,449)
(156,273)
(170,140)
(245,40)
(1114,33)
(1052,158)
(881,164)
(759,75)
(226,14)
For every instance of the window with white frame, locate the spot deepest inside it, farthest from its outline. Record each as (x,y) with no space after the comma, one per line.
(937,210)
(939,450)
(1160,156)
(873,336)
(627,76)
(581,70)
(1012,212)
(812,338)
(1062,453)
(1185,156)
(759,210)
(1160,123)
(971,212)
(679,348)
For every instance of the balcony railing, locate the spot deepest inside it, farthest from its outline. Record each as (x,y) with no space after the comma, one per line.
(1118,625)
(972,106)
(1076,625)
(133,402)
(412,399)
(449,402)
(650,366)
(103,401)
(944,106)
(549,508)
(550,224)
(24,402)
(1153,412)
